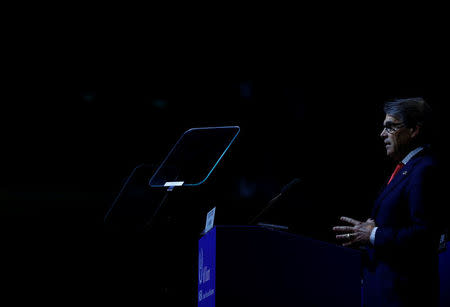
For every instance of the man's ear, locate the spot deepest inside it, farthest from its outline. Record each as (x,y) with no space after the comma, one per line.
(415,131)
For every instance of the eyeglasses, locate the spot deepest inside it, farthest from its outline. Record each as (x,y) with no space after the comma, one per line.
(392,128)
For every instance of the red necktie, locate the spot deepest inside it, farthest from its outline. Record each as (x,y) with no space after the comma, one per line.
(397,169)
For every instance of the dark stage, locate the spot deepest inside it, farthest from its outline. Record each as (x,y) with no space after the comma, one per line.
(79,118)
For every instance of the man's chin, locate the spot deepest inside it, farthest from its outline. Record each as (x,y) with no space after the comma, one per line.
(394,156)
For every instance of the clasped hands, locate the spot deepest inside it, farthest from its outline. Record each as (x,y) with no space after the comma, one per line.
(356,235)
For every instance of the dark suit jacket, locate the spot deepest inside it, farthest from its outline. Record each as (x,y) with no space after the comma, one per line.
(404,260)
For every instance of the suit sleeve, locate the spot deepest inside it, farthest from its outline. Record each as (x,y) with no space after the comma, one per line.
(420,232)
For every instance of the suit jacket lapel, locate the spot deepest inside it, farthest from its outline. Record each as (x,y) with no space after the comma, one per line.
(401,175)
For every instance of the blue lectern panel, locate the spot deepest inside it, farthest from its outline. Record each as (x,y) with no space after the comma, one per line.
(252,266)
(444,273)
(207,269)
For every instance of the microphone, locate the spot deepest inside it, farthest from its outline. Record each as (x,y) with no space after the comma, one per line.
(289,186)
(284,191)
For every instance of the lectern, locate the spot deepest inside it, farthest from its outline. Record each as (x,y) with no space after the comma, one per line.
(257,266)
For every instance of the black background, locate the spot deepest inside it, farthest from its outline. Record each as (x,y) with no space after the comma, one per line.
(85,100)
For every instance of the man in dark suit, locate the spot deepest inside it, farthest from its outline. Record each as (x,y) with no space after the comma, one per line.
(402,236)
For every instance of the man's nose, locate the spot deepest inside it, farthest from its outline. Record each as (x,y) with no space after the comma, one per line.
(383,133)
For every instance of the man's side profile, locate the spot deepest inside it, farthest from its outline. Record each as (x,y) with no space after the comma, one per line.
(402,235)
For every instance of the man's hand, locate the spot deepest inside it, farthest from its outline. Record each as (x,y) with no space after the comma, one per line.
(358,234)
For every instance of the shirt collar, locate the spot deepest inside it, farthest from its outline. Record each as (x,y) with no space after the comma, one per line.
(411,154)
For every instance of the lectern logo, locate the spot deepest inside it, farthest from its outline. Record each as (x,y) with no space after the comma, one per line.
(204,273)
(205,289)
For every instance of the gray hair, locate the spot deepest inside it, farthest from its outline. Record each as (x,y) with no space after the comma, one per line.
(412,112)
